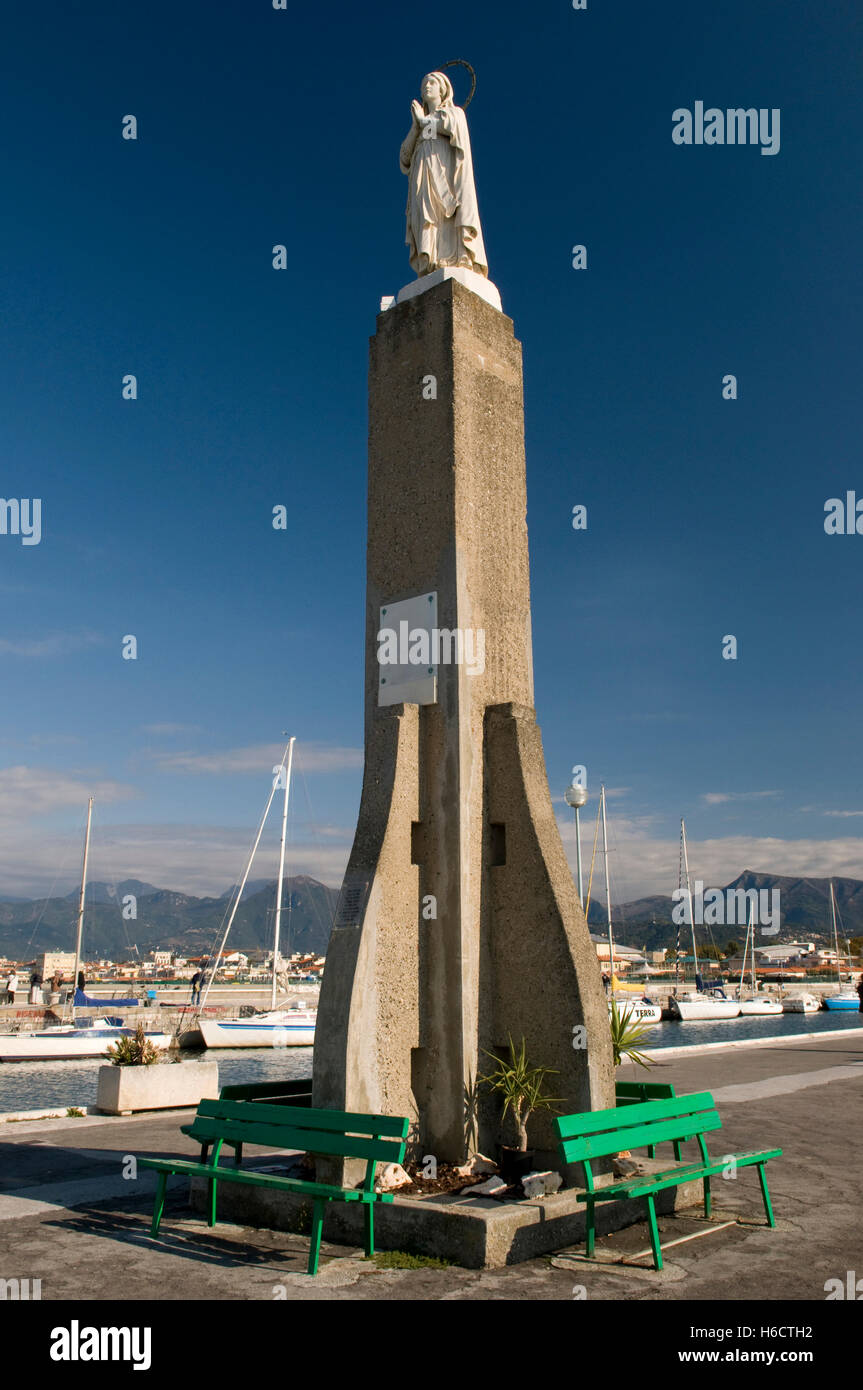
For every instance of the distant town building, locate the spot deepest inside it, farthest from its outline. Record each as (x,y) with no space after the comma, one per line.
(50,962)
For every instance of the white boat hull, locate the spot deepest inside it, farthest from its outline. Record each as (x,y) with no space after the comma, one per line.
(801,1004)
(65,1041)
(262,1031)
(703,1008)
(755,1007)
(639,1010)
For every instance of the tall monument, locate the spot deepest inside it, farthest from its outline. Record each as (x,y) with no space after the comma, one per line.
(458,924)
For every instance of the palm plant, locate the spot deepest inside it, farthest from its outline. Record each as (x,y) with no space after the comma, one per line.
(522,1086)
(134,1052)
(626,1034)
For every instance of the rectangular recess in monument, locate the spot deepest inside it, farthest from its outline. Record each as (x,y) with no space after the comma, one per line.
(418,842)
(407,649)
(497,845)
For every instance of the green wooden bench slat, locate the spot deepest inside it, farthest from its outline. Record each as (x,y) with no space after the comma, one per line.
(643,1090)
(276,1092)
(339,1121)
(299,1140)
(252,1178)
(640,1185)
(594,1121)
(636,1136)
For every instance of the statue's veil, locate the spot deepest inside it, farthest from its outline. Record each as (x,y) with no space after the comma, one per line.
(446,86)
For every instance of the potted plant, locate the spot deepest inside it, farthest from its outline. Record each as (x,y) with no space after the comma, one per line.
(522,1086)
(136,1051)
(132,1082)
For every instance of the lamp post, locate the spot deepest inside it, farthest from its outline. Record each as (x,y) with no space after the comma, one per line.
(576,797)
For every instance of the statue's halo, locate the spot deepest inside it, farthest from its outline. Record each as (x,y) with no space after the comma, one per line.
(460,62)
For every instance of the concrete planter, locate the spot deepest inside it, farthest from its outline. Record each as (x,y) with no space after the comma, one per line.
(162,1086)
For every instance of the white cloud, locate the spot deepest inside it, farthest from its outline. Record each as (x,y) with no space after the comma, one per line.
(201,860)
(717,798)
(843,813)
(643,863)
(171,728)
(262,757)
(57,644)
(26,792)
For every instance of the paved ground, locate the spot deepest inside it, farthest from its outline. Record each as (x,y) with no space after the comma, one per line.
(73,1213)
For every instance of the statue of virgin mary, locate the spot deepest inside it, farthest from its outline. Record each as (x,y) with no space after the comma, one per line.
(443,226)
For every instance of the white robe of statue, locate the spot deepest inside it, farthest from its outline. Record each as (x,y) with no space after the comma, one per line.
(443,227)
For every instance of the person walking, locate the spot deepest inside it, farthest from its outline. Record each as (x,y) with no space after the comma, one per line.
(35,988)
(860,993)
(197,981)
(11,986)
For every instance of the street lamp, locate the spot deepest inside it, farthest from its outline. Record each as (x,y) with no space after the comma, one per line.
(576,797)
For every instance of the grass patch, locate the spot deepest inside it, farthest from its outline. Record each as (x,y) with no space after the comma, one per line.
(400,1259)
(73,1113)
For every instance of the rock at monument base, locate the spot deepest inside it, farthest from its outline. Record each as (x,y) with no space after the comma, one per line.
(477,1164)
(495,1187)
(540,1184)
(391,1177)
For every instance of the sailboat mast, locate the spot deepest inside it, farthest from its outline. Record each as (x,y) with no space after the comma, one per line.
(607,890)
(689,892)
(80,928)
(212,972)
(290,757)
(836,936)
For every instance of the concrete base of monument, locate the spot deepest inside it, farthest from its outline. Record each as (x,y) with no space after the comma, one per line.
(471,279)
(474,1232)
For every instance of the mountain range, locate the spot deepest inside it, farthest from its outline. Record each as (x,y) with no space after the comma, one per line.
(167,920)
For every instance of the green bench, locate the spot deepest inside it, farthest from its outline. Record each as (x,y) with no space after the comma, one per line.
(375,1138)
(601,1133)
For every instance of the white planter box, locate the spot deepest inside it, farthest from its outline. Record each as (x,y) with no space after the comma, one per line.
(162,1086)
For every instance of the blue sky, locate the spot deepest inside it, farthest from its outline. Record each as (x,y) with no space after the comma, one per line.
(705,516)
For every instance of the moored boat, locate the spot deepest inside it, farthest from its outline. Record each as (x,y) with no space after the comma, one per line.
(705,1005)
(801,1004)
(87,1038)
(277,1028)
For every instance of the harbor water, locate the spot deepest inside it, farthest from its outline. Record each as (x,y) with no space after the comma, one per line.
(38,1085)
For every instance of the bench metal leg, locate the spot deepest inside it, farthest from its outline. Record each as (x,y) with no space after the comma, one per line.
(370,1229)
(238,1156)
(771,1221)
(159,1204)
(707,1196)
(676,1143)
(317,1227)
(590,1227)
(211,1203)
(654,1233)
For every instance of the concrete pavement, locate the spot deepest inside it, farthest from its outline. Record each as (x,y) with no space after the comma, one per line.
(74,1212)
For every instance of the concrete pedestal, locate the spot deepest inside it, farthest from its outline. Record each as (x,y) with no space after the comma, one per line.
(459,923)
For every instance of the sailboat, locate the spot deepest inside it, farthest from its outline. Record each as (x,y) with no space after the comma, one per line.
(640,1010)
(848,997)
(702,1003)
(753,1003)
(292,1027)
(90,1037)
